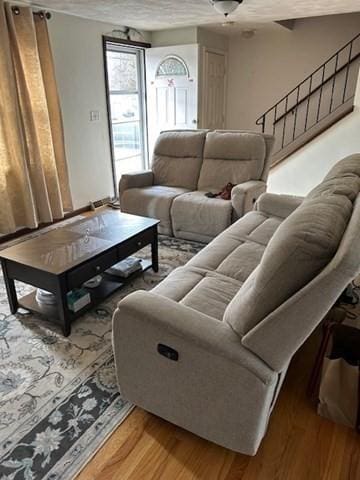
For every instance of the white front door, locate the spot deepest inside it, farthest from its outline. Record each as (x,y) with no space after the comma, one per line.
(214,89)
(171,78)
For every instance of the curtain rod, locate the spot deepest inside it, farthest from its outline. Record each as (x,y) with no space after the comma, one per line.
(41,13)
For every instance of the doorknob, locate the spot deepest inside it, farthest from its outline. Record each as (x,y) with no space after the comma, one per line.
(194,121)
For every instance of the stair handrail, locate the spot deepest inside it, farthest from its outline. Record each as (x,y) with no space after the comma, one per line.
(261,120)
(318,87)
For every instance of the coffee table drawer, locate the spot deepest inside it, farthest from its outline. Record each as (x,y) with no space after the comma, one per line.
(93,267)
(134,244)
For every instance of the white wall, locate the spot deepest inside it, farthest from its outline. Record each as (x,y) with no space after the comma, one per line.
(208,38)
(262,69)
(307,167)
(78,56)
(189,35)
(175,36)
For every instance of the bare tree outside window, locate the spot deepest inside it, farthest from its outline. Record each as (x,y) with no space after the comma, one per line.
(122,71)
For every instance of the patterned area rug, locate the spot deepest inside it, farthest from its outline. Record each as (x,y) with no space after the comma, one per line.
(58,396)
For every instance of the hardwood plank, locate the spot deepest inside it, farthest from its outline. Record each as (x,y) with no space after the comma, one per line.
(160,441)
(119,446)
(126,460)
(207,461)
(299,444)
(238,467)
(183,455)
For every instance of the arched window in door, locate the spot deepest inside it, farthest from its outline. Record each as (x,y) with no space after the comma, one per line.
(171,66)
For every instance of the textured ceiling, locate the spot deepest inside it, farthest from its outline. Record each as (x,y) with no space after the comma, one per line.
(162,14)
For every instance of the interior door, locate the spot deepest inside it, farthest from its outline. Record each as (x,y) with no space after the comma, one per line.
(214,89)
(171,78)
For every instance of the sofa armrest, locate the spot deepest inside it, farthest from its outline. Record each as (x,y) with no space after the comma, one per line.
(244,195)
(141,311)
(135,180)
(278,205)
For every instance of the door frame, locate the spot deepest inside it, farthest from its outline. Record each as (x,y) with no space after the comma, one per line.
(204,82)
(137,46)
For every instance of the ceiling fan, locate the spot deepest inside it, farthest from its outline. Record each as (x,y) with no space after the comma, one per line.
(225,7)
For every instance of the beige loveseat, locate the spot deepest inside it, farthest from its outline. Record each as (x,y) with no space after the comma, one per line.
(189,163)
(237,312)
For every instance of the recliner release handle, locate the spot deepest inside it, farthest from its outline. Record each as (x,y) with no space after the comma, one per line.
(168,352)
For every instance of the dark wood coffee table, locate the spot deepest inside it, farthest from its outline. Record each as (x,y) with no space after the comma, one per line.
(63,259)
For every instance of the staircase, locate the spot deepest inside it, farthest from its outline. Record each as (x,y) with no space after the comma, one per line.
(316,103)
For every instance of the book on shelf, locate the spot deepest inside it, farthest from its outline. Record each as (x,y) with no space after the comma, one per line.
(125,268)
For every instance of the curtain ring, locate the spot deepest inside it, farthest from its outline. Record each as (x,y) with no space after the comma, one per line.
(44,15)
(15,10)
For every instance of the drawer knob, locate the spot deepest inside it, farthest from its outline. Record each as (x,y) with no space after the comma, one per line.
(139,244)
(97,268)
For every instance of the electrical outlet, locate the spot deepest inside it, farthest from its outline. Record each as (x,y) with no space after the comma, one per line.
(94,115)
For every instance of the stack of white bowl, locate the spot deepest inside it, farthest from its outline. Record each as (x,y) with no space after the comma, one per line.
(45,297)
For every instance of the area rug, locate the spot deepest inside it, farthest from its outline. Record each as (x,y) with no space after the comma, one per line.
(59,400)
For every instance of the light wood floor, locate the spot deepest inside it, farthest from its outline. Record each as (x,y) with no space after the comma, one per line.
(299,444)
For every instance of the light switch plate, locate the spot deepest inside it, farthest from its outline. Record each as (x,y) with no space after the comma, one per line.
(94,115)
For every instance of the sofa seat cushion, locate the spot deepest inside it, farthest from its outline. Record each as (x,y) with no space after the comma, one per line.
(197,217)
(177,158)
(204,291)
(238,250)
(300,248)
(154,202)
(234,157)
(212,295)
(212,278)
(242,261)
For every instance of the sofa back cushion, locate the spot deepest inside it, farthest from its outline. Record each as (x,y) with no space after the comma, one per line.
(300,248)
(280,334)
(230,156)
(348,166)
(342,179)
(178,157)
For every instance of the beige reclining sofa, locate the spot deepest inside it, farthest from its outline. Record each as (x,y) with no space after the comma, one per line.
(189,163)
(208,348)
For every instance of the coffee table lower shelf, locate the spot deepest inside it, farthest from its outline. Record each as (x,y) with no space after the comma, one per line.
(108,286)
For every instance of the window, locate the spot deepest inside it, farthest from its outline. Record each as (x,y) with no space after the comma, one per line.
(172,66)
(126,104)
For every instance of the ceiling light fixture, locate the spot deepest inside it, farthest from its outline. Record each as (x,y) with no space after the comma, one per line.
(225,7)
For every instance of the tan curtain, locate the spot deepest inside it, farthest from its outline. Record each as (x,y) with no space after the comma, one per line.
(34,182)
